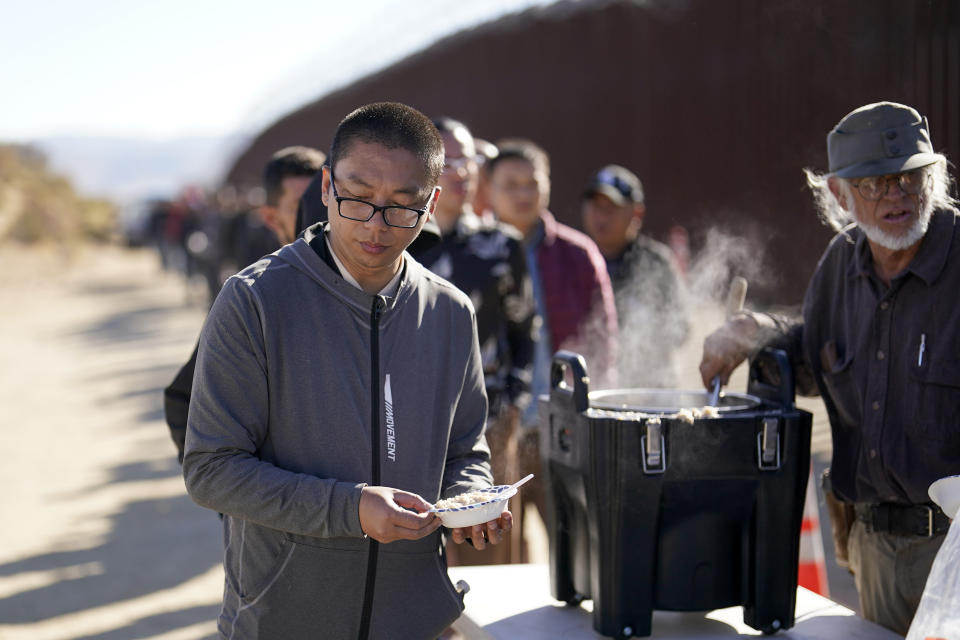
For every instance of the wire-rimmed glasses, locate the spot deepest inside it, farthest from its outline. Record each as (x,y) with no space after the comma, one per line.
(876,187)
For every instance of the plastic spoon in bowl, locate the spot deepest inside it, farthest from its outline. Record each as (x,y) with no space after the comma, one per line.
(508,492)
(512,489)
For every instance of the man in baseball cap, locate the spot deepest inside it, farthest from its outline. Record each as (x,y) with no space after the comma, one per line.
(878,340)
(646,286)
(612,208)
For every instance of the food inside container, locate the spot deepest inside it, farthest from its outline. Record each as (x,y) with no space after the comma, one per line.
(476,507)
(683,404)
(690,414)
(463,500)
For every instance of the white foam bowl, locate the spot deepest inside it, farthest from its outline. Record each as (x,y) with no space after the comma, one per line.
(478,512)
(946,493)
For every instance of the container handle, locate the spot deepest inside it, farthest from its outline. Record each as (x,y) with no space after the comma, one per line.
(563,360)
(771,377)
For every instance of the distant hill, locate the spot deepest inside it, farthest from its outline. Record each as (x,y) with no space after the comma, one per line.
(39,205)
(128,169)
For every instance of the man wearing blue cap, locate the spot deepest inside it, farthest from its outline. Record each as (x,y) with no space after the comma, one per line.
(879,340)
(647,291)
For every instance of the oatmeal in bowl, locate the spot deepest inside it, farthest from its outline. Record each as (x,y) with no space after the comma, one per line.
(477,506)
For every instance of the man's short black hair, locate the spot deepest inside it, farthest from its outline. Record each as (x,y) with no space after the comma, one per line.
(520,149)
(395,126)
(290,162)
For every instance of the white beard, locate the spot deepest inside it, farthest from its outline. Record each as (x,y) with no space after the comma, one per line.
(898,243)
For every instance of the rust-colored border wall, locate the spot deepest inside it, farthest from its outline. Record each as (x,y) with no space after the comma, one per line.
(717,105)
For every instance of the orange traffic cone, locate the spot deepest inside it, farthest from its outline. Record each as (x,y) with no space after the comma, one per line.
(812,570)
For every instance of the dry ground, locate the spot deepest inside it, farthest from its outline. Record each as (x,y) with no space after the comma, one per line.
(99,539)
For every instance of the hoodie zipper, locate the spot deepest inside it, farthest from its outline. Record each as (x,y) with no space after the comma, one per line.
(378,305)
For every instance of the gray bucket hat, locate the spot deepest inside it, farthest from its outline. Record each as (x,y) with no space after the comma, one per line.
(879,139)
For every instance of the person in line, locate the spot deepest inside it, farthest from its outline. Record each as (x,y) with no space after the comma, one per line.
(339,392)
(485,151)
(878,340)
(285,177)
(268,225)
(485,259)
(571,288)
(651,311)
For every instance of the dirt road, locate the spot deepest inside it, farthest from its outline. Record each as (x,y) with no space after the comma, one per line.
(98,538)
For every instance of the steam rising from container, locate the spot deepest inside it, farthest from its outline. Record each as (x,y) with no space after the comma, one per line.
(660,338)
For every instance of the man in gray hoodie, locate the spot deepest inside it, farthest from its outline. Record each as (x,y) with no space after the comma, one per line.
(338,391)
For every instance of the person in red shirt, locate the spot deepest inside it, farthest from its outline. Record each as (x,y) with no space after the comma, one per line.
(571,287)
(571,284)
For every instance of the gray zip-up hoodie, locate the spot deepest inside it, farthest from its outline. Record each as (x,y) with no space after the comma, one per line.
(306,389)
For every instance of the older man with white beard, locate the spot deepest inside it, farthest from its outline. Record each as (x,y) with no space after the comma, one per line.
(879,340)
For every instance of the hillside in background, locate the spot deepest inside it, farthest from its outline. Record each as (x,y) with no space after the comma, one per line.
(37,204)
(130,169)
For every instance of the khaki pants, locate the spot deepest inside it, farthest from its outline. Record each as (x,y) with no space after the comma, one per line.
(890,572)
(503,439)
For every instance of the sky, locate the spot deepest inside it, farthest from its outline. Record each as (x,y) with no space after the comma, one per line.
(177,68)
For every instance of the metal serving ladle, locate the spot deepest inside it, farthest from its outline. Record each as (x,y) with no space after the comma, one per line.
(714,400)
(735,298)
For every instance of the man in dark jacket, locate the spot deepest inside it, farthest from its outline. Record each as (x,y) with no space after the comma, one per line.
(339,392)
(485,260)
(272,225)
(571,288)
(651,312)
(285,178)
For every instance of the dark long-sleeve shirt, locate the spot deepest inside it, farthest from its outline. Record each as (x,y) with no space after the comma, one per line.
(887,362)
(651,313)
(486,261)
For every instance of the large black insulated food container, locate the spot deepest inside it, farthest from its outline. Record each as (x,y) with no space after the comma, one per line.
(675,516)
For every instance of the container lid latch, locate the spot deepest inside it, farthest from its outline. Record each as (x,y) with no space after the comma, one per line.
(653,456)
(768,445)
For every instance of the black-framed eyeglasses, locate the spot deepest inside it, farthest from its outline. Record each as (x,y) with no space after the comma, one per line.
(876,187)
(362,211)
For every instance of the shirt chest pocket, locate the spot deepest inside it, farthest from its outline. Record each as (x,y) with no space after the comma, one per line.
(936,399)
(843,389)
